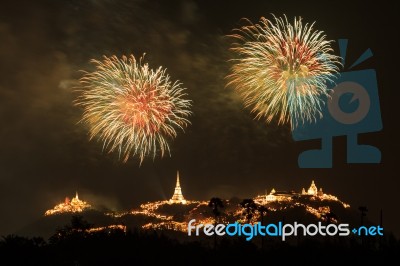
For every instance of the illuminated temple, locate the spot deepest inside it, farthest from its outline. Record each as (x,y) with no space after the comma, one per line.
(177,198)
(74,205)
(161,215)
(312,191)
(312,201)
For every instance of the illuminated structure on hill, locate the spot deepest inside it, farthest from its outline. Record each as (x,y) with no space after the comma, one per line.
(313,201)
(74,205)
(174,214)
(312,192)
(177,198)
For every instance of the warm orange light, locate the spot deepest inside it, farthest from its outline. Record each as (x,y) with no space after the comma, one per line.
(75,205)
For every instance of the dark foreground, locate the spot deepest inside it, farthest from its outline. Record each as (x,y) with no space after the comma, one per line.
(72,245)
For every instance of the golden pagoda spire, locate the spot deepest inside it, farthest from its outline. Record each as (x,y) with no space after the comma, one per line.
(178,196)
(177,180)
(313,190)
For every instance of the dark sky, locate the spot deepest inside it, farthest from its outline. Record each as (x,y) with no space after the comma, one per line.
(46,155)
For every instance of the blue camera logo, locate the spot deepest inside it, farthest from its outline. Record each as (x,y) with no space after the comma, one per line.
(351,109)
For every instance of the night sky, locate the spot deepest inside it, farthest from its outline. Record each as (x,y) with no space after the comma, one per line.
(46,154)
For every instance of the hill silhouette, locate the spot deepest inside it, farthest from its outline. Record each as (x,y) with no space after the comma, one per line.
(172,218)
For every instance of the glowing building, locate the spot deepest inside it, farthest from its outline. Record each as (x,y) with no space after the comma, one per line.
(74,205)
(271,196)
(177,198)
(313,190)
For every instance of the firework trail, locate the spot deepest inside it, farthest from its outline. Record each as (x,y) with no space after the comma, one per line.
(131,108)
(281,70)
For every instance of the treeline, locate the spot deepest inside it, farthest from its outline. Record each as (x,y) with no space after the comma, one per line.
(74,245)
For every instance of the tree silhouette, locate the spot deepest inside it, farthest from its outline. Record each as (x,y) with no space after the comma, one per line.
(263,211)
(363,210)
(18,250)
(215,204)
(329,217)
(79,224)
(77,228)
(250,207)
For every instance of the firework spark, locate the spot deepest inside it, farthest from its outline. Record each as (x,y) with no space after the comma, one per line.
(131,108)
(281,70)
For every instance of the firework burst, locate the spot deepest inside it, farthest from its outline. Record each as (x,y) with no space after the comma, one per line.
(281,70)
(131,108)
